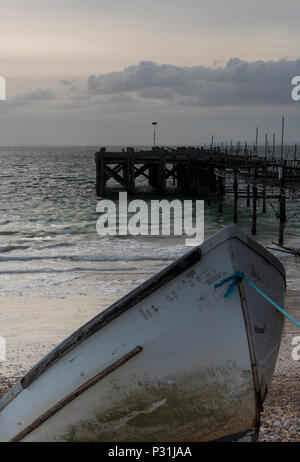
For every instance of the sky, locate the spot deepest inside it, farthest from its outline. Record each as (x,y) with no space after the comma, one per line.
(93,72)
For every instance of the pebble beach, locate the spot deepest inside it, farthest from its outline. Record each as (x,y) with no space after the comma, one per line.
(281,417)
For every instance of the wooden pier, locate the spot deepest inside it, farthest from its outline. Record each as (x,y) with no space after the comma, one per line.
(203,173)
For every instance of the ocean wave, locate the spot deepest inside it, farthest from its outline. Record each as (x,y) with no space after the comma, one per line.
(11,248)
(85,258)
(8,233)
(72,270)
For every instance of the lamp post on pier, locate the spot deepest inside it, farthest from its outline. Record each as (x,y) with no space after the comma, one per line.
(154,132)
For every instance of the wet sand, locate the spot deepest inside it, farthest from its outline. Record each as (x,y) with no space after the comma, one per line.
(34,325)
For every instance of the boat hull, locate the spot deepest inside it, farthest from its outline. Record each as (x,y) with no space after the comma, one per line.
(182,364)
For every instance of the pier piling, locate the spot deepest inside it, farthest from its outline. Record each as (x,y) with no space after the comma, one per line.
(254,216)
(220,192)
(248,195)
(282,209)
(235,189)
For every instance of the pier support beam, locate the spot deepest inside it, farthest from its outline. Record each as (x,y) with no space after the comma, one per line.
(211,184)
(153,175)
(162,176)
(248,195)
(264,208)
(282,210)
(235,191)
(183,180)
(220,191)
(132,177)
(97,176)
(209,193)
(254,217)
(100,176)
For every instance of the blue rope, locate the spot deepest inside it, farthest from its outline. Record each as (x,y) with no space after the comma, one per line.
(238,277)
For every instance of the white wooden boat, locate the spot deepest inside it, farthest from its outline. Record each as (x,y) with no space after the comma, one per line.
(171,361)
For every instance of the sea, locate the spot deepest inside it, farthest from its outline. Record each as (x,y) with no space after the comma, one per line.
(48,236)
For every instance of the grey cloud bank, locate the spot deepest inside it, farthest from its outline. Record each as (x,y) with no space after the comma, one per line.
(189,102)
(40,94)
(238,83)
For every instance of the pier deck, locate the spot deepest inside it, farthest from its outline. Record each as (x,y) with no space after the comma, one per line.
(191,169)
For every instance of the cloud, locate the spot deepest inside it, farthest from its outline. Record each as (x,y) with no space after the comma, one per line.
(40,94)
(238,83)
(149,86)
(146,75)
(68,82)
(24,101)
(157,93)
